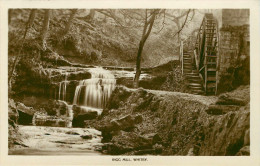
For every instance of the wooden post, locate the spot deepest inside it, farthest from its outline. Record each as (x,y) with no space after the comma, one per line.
(218,58)
(181,56)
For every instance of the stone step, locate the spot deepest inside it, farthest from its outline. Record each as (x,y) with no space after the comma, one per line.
(199,92)
(187,70)
(195,81)
(196,89)
(211,79)
(192,67)
(211,85)
(198,81)
(194,85)
(187,63)
(193,76)
(211,69)
(193,73)
(186,57)
(187,66)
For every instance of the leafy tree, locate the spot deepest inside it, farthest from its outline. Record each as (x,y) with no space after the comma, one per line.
(29,24)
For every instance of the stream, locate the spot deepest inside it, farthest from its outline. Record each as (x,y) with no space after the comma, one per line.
(64,134)
(43,140)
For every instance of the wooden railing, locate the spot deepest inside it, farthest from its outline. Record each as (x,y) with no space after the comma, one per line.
(196,57)
(181,56)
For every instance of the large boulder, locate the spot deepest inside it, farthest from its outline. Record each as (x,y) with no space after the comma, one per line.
(153,137)
(27,110)
(124,142)
(25,114)
(56,108)
(120,94)
(245,151)
(12,112)
(126,123)
(226,99)
(85,111)
(221,109)
(81,114)
(61,108)
(240,97)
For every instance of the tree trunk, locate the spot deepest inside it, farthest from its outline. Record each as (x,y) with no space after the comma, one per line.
(138,64)
(68,25)
(17,58)
(45,28)
(148,24)
(91,15)
(30,22)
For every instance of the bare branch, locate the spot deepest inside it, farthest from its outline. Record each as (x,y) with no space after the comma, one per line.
(163,23)
(177,17)
(182,24)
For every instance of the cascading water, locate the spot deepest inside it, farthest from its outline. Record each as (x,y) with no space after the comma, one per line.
(95,92)
(90,96)
(62,89)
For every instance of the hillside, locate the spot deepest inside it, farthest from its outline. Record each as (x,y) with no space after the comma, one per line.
(99,41)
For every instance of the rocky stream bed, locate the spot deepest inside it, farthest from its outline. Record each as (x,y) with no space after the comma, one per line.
(90,111)
(148,122)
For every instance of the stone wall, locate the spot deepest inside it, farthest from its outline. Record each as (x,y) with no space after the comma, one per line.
(234,49)
(235,17)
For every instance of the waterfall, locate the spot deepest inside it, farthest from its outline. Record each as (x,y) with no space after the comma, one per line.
(91,95)
(96,91)
(59,90)
(62,88)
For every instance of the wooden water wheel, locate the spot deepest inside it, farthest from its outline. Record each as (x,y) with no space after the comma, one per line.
(206,53)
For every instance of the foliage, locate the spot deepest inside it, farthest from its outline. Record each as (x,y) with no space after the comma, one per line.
(175,82)
(111,36)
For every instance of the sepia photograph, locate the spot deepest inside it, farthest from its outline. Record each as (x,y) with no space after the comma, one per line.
(128,83)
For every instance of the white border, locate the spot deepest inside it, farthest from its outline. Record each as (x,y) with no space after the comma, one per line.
(252,160)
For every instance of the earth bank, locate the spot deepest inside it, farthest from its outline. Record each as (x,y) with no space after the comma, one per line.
(139,122)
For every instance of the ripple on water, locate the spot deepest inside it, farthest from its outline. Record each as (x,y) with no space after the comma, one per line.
(43,140)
